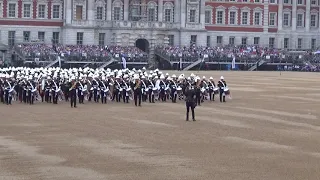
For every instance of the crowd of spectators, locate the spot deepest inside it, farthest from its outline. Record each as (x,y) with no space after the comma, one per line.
(96,53)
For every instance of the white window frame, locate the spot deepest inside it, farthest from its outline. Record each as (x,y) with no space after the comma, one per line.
(223,10)
(316,2)
(289,2)
(288,43)
(60,10)
(258,10)
(170,6)
(208,9)
(233,9)
(152,5)
(289,19)
(117,4)
(274,20)
(302,2)
(273,2)
(16,9)
(45,11)
(31,10)
(245,10)
(301,45)
(103,5)
(84,10)
(316,20)
(302,20)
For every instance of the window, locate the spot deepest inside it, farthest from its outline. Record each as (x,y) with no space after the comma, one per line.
(11,38)
(272,1)
(244,18)
(55,37)
(286,19)
(171,40)
(208,41)
(300,20)
(117,13)
(313,43)
(78,12)
(256,40)
(286,43)
(101,39)
(314,2)
(299,43)
(79,38)
(152,14)
(244,41)
(300,2)
(167,15)
(286,1)
(27,10)
(219,40)
(313,20)
(257,18)
(271,42)
(99,13)
(220,17)
(272,19)
(193,40)
(207,18)
(56,11)
(12,10)
(26,36)
(232,18)
(256,1)
(231,40)
(192,16)
(41,11)
(41,36)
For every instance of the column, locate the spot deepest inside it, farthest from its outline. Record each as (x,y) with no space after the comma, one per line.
(126,10)
(160,10)
(109,10)
(183,13)
(91,11)
(68,11)
(280,13)
(177,11)
(308,11)
(202,13)
(294,15)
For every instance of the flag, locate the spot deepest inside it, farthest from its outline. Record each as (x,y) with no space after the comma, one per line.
(233,65)
(124,62)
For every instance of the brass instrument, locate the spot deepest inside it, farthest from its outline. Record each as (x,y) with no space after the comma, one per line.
(198,83)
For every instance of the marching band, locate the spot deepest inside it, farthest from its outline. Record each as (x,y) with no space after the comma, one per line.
(78,85)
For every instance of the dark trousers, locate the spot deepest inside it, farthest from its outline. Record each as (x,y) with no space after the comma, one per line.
(137,96)
(211,94)
(222,96)
(1,96)
(73,99)
(95,95)
(30,97)
(162,95)
(103,97)
(198,98)
(151,96)
(173,96)
(116,95)
(54,97)
(80,96)
(190,105)
(7,97)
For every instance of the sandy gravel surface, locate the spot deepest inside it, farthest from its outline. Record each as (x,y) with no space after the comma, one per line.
(270,130)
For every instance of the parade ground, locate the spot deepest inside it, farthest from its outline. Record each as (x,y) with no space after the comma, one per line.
(269,130)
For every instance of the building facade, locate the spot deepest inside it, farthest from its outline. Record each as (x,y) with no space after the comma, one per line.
(291,24)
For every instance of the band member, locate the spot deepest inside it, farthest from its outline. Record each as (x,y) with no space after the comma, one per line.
(137,91)
(198,91)
(73,92)
(211,85)
(190,94)
(222,84)
(8,92)
(116,90)
(48,87)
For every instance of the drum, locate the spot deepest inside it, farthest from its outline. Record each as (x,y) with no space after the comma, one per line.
(128,89)
(226,91)
(216,90)
(120,89)
(203,90)
(155,90)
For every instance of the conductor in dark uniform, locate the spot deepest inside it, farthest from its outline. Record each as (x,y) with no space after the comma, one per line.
(73,92)
(137,91)
(190,94)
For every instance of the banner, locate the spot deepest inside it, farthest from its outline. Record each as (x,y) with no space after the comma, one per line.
(124,63)
(233,65)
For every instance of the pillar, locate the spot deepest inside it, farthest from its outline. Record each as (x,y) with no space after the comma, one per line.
(202,13)
(294,15)
(68,11)
(126,10)
(177,11)
(91,11)
(160,10)
(308,11)
(183,13)
(109,10)
(280,13)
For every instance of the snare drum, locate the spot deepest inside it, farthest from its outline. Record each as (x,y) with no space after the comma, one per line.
(203,90)
(226,91)
(216,90)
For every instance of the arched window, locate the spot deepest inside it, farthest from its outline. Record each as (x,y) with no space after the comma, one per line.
(117,10)
(152,11)
(168,14)
(100,10)
(135,10)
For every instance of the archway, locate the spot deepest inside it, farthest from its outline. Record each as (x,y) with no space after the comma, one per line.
(143,44)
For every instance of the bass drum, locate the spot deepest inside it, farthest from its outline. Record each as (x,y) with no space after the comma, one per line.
(226,92)
(216,90)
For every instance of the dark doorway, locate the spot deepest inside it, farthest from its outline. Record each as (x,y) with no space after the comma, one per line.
(143,44)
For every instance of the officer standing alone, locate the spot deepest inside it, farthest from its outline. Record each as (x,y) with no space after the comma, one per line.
(73,92)
(190,94)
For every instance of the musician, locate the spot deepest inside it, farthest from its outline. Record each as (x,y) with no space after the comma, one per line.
(80,92)
(211,85)
(137,91)
(30,96)
(198,91)
(144,89)
(116,90)
(95,85)
(173,92)
(8,91)
(191,103)
(222,84)
(150,84)
(103,90)
(125,86)
(48,87)
(162,94)
(73,92)
(1,90)
(54,91)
